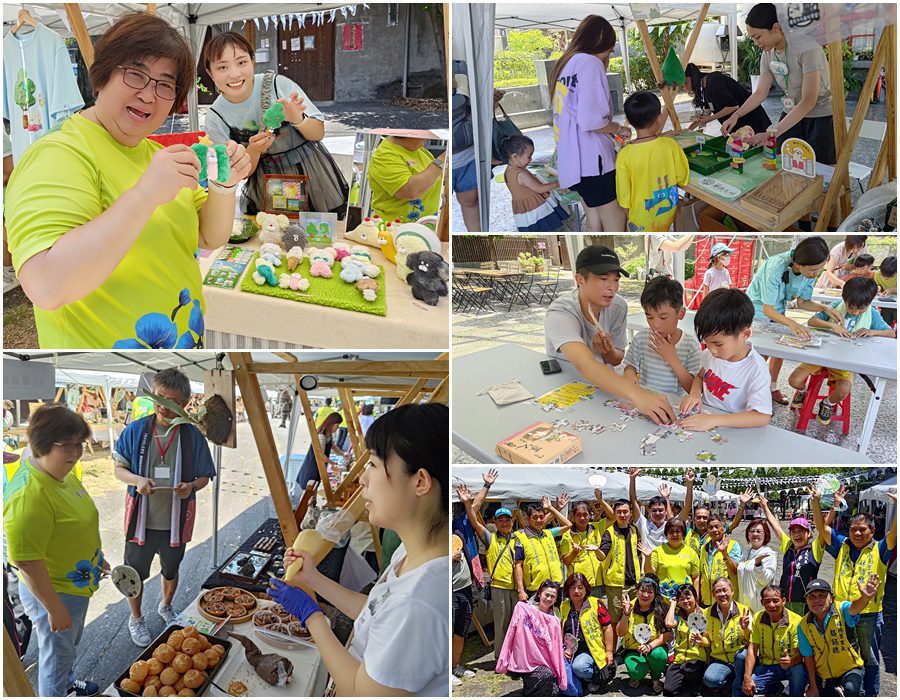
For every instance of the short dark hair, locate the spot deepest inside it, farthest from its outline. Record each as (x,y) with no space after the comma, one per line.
(726,310)
(855,241)
(762,16)
(656,501)
(578,504)
(859,292)
(622,502)
(173,379)
(864,517)
(767,533)
(367,409)
(216,46)
(328,401)
(549,584)
(419,434)
(674,523)
(660,291)
(771,588)
(577,578)
(514,146)
(54,422)
(135,36)
(811,251)
(863,260)
(642,109)
(888,267)
(716,516)
(532,508)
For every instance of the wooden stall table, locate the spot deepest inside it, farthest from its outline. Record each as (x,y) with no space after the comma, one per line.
(235,318)
(479,424)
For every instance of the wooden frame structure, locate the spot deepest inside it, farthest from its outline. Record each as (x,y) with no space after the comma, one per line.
(431,380)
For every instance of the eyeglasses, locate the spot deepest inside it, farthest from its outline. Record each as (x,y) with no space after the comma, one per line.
(70,446)
(138,80)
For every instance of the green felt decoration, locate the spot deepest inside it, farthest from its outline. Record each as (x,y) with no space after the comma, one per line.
(332,292)
(274,116)
(672,71)
(222,164)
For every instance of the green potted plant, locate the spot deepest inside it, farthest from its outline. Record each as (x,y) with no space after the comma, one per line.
(748,62)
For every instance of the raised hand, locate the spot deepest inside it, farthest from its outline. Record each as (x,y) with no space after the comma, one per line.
(746,496)
(465,496)
(634,472)
(598,495)
(763,501)
(689,476)
(645,549)
(813,493)
(723,546)
(839,495)
(490,477)
(545,502)
(870,587)
(759,560)
(626,604)
(745,620)
(562,500)
(665,490)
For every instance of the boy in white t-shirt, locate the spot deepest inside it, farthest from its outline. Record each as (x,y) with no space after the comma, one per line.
(733,377)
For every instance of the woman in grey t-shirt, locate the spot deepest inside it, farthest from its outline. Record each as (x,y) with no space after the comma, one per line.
(800,69)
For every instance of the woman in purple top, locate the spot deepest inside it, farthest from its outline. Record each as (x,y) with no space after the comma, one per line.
(583,125)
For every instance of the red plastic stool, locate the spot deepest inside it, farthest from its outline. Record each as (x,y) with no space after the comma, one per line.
(808,409)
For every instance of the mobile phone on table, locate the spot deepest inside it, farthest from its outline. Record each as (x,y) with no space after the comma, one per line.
(550,367)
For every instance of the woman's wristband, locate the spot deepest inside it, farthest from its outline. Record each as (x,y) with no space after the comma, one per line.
(220,188)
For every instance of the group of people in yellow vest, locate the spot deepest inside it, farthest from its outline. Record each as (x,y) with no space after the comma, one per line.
(682,603)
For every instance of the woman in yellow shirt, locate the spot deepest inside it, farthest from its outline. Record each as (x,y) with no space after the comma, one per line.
(102,223)
(685,673)
(675,562)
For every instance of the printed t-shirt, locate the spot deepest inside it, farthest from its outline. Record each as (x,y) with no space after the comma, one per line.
(655,373)
(647,178)
(56,522)
(68,179)
(734,387)
(715,278)
(390,168)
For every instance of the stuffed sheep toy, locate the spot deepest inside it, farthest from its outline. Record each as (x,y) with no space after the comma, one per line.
(428,276)
(295,281)
(368,287)
(271,253)
(271,227)
(294,258)
(320,262)
(264,273)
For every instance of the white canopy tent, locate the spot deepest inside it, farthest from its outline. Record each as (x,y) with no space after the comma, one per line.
(879,492)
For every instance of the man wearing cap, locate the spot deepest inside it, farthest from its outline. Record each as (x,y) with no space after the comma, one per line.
(586,326)
(857,556)
(832,662)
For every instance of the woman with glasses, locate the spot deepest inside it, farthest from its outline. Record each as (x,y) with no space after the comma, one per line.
(401,633)
(102,223)
(53,538)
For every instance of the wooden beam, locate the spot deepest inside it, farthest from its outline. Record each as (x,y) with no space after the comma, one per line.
(442,393)
(413,392)
(15,681)
(79,29)
(255,406)
(250,32)
(890,74)
(151,8)
(373,389)
(349,408)
(839,115)
(286,356)
(431,369)
(657,73)
(841,168)
(695,34)
(318,452)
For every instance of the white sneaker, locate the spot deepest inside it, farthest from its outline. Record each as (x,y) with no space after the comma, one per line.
(454,681)
(140,635)
(462,672)
(166,613)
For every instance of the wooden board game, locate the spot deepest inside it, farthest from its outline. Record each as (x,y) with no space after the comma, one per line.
(778,193)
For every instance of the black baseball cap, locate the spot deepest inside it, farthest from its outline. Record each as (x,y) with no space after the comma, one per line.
(599,260)
(818,585)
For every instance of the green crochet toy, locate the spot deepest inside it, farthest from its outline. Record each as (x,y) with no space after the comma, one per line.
(273,116)
(672,70)
(213,159)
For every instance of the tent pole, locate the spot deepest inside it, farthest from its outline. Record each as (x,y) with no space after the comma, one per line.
(79,29)
(109,417)
(217,455)
(732,43)
(657,73)
(695,33)
(292,428)
(623,42)
(405,84)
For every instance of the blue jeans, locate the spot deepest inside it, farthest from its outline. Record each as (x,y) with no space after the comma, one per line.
(56,650)
(465,177)
(868,634)
(583,667)
(768,679)
(720,675)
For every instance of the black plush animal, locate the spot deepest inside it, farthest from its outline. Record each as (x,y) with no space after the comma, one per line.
(429,276)
(295,235)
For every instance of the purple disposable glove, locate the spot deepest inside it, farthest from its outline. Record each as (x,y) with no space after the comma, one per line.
(295,600)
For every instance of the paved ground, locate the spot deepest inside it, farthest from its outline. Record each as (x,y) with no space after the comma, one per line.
(864,153)
(525,326)
(106,647)
(486,683)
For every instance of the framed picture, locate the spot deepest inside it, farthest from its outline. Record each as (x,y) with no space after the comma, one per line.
(286,194)
(321,228)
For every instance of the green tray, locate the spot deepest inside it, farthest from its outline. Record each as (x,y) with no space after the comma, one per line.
(709,162)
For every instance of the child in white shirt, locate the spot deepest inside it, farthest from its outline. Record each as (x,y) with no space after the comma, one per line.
(717,275)
(733,377)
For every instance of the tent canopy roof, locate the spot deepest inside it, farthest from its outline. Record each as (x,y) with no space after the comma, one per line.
(568,15)
(879,492)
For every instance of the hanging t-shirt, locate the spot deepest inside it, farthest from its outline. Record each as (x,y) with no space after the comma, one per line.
(39,86)
(735,387)
(398,630)
(154,298)
(647,178)
(389,170)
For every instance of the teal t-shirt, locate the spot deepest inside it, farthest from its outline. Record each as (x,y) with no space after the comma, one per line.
(768,286)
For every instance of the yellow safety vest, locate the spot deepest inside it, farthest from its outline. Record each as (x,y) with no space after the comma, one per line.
(614,564)
(586,562)
(503,571)
(728,640)
(591,630)
(833,651)
(774,641)
(541,560)
(685,649)
(847,573)
(719,569)
(636,618)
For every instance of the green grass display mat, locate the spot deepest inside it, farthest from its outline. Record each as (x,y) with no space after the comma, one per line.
(332,292)
(754,175)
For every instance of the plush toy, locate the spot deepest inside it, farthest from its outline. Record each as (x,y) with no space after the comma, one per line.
(284,280)
(273,116)
(272,227)
(368,287)
(294,258)
(264,273)
(294,236)
(413,238)
(272,253)
(213,159)
(341,251)
(386,243)
(367,231)
(428,276)
(362,254)
(320,262)
(296,282)
(242,230)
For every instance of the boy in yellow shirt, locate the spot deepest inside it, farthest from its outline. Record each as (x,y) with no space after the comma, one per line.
(650,168)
